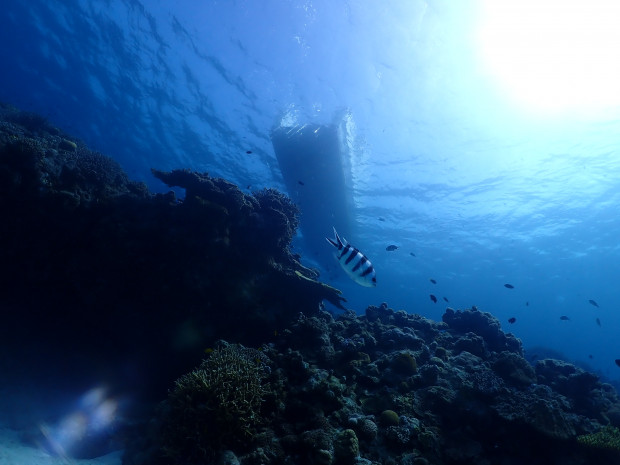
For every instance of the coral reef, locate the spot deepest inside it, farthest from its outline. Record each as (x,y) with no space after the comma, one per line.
(89,257)
(270,215)
(392,388)
(219,402)
(107,277)
(606,438)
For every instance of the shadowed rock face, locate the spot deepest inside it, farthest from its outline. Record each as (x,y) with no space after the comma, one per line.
(95,267)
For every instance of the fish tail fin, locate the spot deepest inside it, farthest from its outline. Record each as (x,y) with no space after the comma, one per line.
(337,242)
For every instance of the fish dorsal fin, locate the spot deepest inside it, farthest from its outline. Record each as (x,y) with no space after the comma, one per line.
(341,242)
(336,242)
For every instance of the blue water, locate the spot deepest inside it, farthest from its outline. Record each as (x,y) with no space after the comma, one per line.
(442,159)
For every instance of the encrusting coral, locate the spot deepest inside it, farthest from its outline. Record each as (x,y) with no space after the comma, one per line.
(345,391)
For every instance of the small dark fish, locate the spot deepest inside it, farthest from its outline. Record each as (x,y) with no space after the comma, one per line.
(564,317)
(249,186)
(590,357)
(248,152)
(617,361)
(512,320)
(598,322)
(509,286)
(433,281)
(412,254)
(446,299)
(527,304)
(391,248)
(381,218)
(301,183)
(433,298)
(593,302)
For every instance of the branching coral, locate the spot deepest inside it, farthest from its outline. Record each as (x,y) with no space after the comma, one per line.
(606,438)
(218,404)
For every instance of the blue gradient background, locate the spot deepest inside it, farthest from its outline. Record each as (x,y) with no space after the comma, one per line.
(483,191)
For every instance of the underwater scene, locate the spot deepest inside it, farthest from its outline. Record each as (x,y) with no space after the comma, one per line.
(309,232)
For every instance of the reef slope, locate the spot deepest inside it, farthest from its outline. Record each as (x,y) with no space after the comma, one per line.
(95,267)
(393,388)
(102,279)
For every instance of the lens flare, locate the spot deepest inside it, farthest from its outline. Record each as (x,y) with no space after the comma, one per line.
(91,420)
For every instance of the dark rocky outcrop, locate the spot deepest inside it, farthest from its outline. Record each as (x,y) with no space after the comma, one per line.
(95,267)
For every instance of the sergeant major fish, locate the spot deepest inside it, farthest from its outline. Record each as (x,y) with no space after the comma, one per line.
(354,262)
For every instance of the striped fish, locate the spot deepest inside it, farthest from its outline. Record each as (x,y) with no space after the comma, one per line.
(354,262)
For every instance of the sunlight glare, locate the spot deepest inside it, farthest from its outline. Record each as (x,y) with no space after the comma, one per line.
(554,55)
